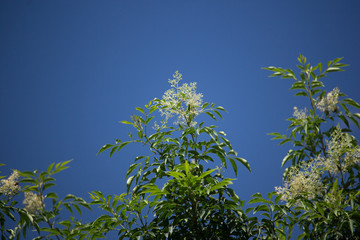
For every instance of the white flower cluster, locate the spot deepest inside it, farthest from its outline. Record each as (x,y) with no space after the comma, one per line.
(33,202)
(329,102)
(341,152)
(182,101)
(305,182)
(300,115)
(10,187)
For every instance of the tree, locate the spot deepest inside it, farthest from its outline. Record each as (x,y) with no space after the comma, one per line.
(322,183)
(172,193)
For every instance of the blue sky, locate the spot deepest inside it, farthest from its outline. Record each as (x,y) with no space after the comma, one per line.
(71,70)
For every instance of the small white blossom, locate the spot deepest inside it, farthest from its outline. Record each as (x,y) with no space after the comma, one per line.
(33,202)
(329,102)
(341,152)
(304,182)
(10,187)
(181,101)
(352,157)
(300,115)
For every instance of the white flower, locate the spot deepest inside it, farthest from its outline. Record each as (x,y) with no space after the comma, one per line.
(10,187)
(341,152)
(304,182)
(329,102)
(352,157)
(33,202)
(181,101)
(300,115)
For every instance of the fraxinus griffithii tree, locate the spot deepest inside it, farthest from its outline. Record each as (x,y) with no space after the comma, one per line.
(173,193)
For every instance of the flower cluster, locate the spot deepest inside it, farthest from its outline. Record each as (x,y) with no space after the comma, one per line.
(181,101)
(10,187)
(305,182)
(329,102)
(341,152)
(33,202)
(300,115)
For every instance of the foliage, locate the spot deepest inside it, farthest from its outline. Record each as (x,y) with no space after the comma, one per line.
(173,193)
(322,182)
(36,215)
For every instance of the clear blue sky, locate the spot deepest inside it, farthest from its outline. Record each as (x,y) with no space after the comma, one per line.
(71,70)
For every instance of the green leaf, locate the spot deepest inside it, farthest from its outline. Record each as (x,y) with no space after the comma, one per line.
(52,195)
(217,113)
(204,174)
(276,74)
(77,208)
(298,85)
(205,105)
(48,179)
(65,223)
(277,199)
(288,157)
(243,162)
(27,174)
(187,168)
(131,168)
(68,207)
(127,122)
(357,115)
(277,135)
(233,164)
(301,236)
(343,118)
(47,185)
(211,115)
(140,110)
(221,155)
(177,175)
(69,197)
(351,102)
(103,148)
(285,141)
(314,92)
(257,200)
(354,121)
(149,119)
(220,108)
(128,182)
(334,69)
(270,68)
(113,150)
(50,167)
(63,165)
(315,84)
(98,194)
(320,66)
(188,131)
(341,65)
(336,60)
(29,180)
(123,145)
(152,109)
(221,184)
(261,208)
(302,93)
